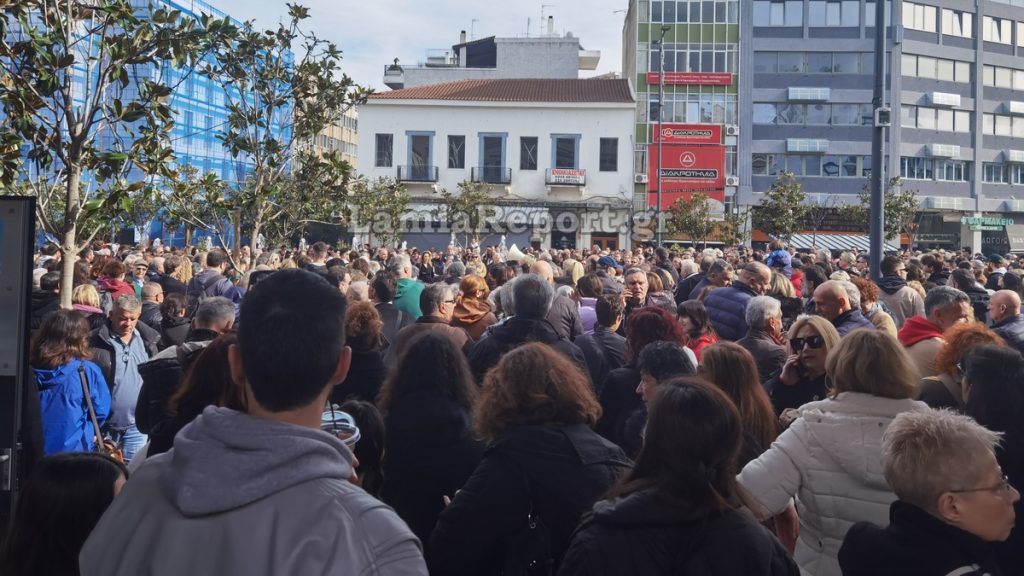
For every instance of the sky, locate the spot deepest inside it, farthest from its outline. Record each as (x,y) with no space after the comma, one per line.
(372,33)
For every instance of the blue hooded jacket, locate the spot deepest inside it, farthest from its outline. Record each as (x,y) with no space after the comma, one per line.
(65,416)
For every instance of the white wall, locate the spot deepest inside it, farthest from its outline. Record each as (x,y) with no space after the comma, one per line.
(591,121)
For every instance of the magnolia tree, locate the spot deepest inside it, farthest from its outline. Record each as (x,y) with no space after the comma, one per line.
(783,210)
(467,210)
(691,216)
(86,115)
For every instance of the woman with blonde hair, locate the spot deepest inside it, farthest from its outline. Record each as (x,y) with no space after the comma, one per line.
(472,309)
(829,457)
(573,269)
(802,378)
(544,466)
(85,299)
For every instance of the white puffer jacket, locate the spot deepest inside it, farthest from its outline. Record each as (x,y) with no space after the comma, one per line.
(829,458)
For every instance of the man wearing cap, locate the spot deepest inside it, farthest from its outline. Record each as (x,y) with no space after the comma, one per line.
(997,268)
(607,269)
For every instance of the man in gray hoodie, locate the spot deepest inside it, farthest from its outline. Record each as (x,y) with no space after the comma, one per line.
(263,492)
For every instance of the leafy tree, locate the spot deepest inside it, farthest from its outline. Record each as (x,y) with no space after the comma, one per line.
(74,71)
(691,217)
(277,106)
(200,202)
(380,206)
(782,210)
(468,210)
(900,204)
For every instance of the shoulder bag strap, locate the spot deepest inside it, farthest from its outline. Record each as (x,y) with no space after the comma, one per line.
(88,404)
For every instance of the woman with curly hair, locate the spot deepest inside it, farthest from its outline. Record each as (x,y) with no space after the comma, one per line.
(364,335)
(472,310)
(946,390)
(619,400)
(543,467)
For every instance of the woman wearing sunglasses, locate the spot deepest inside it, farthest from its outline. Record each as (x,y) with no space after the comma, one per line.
(829,457)
(802,378)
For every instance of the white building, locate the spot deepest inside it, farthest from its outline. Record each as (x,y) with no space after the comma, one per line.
(557,156)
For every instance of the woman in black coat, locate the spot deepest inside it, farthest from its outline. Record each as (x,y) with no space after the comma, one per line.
(676,511)
(429,448)
(364,335)
(543,467)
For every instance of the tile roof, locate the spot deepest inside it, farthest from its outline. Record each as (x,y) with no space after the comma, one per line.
(519,90)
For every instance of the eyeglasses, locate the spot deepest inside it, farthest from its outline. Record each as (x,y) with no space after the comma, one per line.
(1003,487)
(812,342)
(449,301)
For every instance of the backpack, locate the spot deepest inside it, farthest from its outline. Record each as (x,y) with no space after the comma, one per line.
(195,299)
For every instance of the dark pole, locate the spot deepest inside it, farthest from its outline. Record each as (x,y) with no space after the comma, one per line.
(661,112)
(877,237)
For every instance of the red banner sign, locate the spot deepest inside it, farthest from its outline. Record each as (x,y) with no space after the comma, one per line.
(701,78)
(687,133)
(684,171)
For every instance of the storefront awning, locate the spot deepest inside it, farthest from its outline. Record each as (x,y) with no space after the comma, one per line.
(834,242)
(1015,237)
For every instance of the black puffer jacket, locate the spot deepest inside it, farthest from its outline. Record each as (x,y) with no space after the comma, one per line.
(623,415)
(162,376)
(641,534)
(1012,330)
(559,471)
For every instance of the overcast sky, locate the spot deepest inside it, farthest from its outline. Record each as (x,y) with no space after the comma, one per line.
(372,33)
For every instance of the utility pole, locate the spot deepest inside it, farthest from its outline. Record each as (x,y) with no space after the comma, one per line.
(883,119)
(661,116)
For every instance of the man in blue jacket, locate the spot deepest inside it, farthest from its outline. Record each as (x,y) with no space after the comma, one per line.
(727,306)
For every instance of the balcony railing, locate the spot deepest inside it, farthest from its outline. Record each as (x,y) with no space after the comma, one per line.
(491,174)
(565,177)
(417,173)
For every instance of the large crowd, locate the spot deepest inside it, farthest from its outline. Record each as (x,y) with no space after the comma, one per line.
(494,411)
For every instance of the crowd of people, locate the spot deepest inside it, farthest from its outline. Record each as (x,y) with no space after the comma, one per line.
(486,411)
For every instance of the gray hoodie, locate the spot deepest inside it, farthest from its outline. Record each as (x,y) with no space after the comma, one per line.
(243,495)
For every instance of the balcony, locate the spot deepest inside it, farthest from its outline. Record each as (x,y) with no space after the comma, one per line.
(491,174)
(417,173)
(565,177)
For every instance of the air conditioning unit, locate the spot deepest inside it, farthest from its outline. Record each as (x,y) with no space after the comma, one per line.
(943,99)
(732,130)
(640,179)
(732,180)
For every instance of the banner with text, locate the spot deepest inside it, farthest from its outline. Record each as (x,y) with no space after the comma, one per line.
(686,133)
(685,170)
(694,78)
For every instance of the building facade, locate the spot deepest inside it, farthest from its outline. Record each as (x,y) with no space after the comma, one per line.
(341,137)
(555,155)
(549,55)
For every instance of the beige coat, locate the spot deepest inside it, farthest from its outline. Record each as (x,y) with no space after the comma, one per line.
(923,355)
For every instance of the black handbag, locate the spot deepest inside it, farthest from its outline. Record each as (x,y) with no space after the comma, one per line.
(528,552)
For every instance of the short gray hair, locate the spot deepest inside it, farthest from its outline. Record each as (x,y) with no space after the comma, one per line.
(531,296)
(399,262)
(927,453)
(433,295)
(214,310)
(126,302)
(760,309)
(634,270)
(941,297)
(689,267)
(852,293)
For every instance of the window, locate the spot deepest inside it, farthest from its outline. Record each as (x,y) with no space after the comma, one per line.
(791,62)
(775,13)
(834,13)
(956,23)
(996,30)
(528,153)
(993,173)
(565,151)
(916,168)
(1016,173)
(935,119)
(952,170)
(999,77)
(764,114)
(819,62)
(913,65)
(846,63)
(919,17)
(766,62)
(456,151)
(385,148)
(609,155)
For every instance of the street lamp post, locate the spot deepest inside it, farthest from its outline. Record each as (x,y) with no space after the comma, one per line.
(661,112)
(883,118)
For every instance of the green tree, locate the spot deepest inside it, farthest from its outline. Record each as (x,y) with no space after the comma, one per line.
(278,103)
(900,204)
(692,217)
(468,210)
(380,205)
(199,202)
(735,227)
(71,72)
(782,210)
